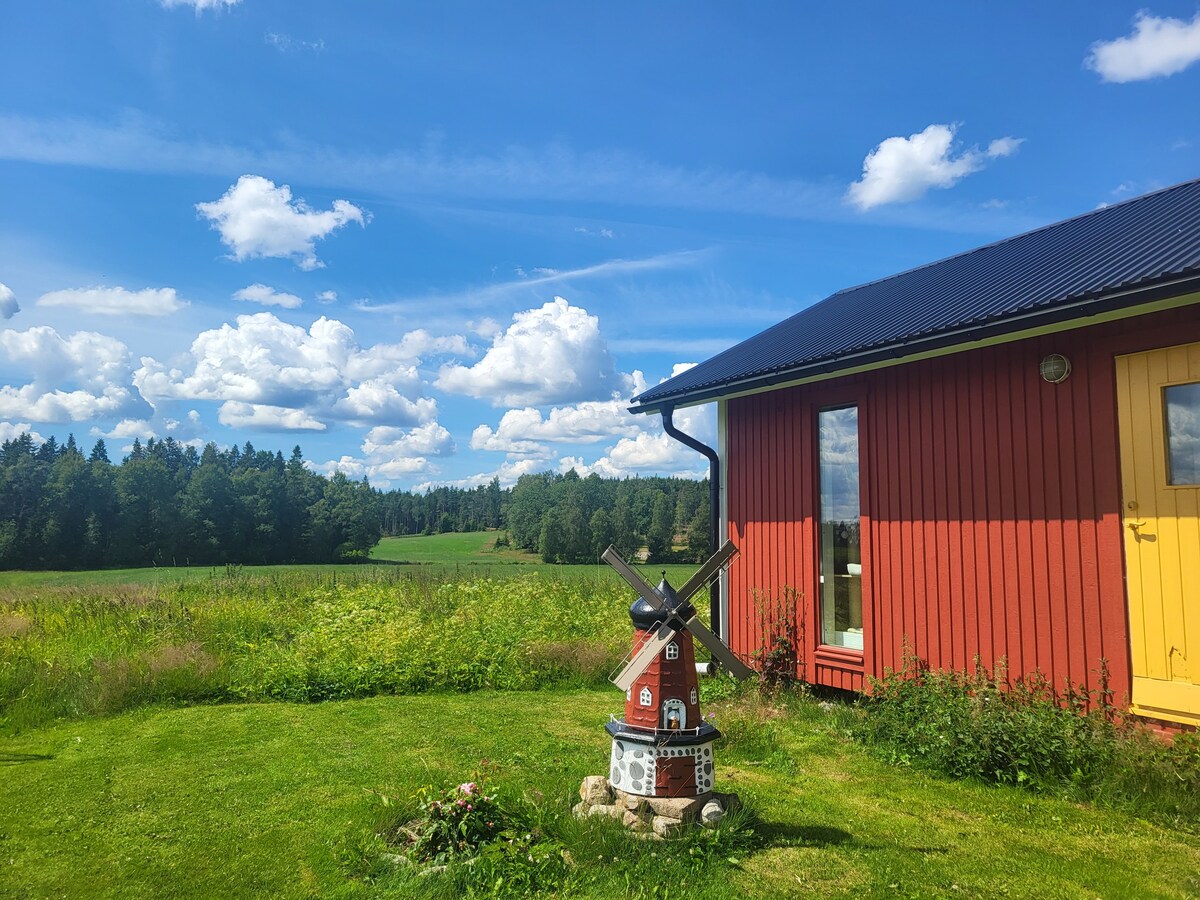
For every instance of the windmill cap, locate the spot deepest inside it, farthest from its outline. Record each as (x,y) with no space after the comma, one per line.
(645,616)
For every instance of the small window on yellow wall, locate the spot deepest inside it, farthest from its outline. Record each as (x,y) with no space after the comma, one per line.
(1182,403)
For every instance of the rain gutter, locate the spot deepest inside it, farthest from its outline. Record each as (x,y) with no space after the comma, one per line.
(714,504)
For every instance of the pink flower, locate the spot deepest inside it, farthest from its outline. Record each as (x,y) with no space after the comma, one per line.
(467,788)
(469,807)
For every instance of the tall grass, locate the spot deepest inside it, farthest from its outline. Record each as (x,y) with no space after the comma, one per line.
(301,635)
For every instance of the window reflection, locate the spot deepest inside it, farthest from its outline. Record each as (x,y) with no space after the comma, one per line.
(839,538)
(1183,433)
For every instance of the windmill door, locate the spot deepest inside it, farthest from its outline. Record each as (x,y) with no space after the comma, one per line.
(676,776)
(1158,401)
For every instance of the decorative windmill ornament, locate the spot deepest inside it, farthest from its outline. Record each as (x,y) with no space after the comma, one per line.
(662,747)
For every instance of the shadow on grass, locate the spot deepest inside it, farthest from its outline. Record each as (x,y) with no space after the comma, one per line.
(15,759)
(779,834)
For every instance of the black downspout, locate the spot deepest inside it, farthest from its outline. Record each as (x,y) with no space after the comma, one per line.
(714,504)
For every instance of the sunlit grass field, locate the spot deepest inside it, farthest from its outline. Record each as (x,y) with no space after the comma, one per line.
(161,735)
(472,552)
(282,800)
(443,551)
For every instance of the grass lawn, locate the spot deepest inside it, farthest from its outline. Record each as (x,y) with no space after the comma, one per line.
(470,552)
(272,799)
(468,548)
(439,550)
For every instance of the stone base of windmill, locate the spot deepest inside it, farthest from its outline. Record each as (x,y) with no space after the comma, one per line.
(654,818)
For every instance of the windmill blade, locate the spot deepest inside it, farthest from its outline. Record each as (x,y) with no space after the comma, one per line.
(720,652)
(715,564)
(632,578)
(655,641)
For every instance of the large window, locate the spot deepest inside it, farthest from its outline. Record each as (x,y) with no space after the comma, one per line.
(1183,433)
(840,543)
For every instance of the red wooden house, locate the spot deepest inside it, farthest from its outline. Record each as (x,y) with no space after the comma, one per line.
(996,455)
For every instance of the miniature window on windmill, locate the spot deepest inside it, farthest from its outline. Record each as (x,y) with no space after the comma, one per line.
(646,697)
(672,650)
(674,714)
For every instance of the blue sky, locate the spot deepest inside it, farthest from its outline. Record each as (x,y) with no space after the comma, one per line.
(433,243)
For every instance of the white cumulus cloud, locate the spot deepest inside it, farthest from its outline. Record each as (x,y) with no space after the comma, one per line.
(12,430)
(261,365)
(257,219)
(8,302)
(378,400)
(74,377)
(652,451)
(901,169)
(1158,47)
(508,473)
(553,354)
(127,429)
(268,296)
(391,454)
(524,432)
(430,439)
(264,417)
(116,301)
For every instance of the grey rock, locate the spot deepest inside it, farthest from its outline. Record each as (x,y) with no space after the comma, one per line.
(596,790)
(667,826)
(678,807)
(613,812)
(712,813)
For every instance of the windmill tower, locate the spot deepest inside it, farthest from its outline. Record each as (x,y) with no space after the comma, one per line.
(662,747)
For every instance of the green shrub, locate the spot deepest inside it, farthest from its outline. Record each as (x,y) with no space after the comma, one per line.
(982,725)
(474,840)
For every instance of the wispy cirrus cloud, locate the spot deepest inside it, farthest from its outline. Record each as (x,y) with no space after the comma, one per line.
(200,5)
(134,142)
(285,43)
(488,294)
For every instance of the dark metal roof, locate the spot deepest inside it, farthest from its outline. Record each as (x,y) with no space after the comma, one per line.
(1109,258)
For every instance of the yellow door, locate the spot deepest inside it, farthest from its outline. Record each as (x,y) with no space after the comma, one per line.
(1158,399)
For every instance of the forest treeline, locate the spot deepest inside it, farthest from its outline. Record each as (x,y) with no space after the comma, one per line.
(167,503)
(565,518)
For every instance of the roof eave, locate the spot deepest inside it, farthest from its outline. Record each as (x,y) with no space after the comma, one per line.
(1080,309)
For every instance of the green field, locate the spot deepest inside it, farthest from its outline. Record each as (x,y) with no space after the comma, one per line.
(163,738)
(467,548)
(255,800)
(475,549)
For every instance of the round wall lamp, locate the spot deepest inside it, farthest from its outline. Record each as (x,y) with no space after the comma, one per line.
(1055,368)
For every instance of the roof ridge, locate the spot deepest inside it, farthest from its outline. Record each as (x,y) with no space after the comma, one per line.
(1014,237)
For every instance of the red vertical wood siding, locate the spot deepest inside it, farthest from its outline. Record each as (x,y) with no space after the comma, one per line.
(990,508)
